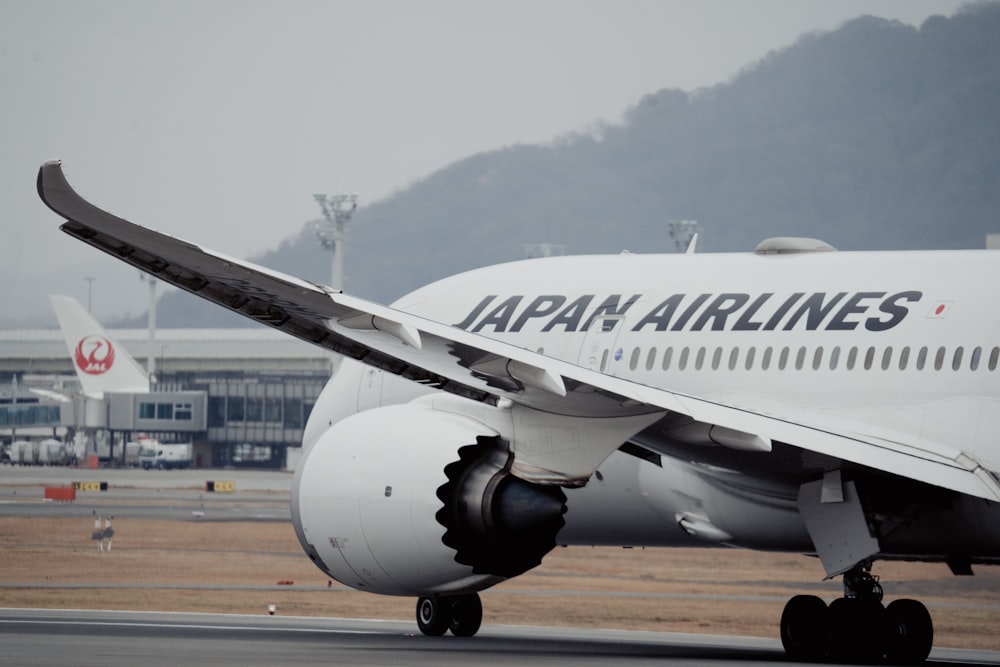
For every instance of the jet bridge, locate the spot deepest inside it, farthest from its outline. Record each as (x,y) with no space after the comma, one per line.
(174,411)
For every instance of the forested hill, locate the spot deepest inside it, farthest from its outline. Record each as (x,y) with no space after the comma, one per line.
(877,135)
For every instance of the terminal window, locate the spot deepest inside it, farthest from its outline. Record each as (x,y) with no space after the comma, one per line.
(166,411)
(29,415)
(216,411)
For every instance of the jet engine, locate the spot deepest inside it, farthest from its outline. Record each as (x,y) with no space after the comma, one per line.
(412,500)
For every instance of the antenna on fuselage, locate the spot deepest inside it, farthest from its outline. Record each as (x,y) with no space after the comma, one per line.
(692,244)
(684,233)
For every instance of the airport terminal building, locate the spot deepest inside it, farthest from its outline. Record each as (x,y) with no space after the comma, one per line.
(240,396)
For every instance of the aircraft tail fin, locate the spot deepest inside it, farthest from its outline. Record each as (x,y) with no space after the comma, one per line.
(101,364)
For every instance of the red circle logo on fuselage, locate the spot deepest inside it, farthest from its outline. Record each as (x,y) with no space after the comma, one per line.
(94,355)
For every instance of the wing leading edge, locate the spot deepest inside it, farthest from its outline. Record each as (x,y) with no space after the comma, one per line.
(459,362)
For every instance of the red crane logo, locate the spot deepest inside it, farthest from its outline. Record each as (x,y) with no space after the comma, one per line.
(94,355)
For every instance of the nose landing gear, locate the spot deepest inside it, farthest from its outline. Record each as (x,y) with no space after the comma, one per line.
(857,627)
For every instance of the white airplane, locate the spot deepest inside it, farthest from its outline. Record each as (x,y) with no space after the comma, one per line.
(101,364)
(795,399)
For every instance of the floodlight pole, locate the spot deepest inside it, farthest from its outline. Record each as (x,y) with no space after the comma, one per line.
(533,250)
(90,290)
(337,212)
(151,352)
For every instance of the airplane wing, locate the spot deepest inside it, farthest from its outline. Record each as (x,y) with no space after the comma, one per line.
(463,363)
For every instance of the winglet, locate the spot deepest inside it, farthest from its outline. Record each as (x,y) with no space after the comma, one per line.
(50,179)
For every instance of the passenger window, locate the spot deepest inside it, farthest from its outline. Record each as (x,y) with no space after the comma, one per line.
(869,358)
(748,364)
(604,361)
(904,358)
(956,361)
(921,358)
(783,359)
(734,356)
(800,359)
(765,362)
(633,361)
(817,358)
(699,360)
(834,358)
(650,358)
(852,358)
(994,356)
(977,356)
(683,361)
(667,354)
(887,358)
(716,358)
(939,359)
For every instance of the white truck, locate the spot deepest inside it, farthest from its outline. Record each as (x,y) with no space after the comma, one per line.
(165,456)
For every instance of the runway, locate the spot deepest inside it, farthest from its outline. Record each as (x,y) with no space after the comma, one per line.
(50,637)
(259,495)
(58,637)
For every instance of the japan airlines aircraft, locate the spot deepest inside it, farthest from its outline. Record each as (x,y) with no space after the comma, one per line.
(101,363)
(794,399)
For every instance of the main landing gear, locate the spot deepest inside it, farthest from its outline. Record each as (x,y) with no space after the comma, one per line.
(857,627)
(461,614)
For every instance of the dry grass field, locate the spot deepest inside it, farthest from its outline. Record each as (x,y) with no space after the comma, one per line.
(236,567)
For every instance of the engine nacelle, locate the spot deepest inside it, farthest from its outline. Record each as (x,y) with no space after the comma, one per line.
(409,500)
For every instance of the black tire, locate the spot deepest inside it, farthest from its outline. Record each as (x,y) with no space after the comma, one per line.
(857,630)
(909,632)
(466,615)
(433,616)
(804,628)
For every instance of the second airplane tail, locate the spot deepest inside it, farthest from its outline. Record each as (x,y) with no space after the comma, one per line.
(101,364)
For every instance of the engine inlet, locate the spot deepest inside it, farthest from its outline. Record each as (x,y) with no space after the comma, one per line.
(497,523)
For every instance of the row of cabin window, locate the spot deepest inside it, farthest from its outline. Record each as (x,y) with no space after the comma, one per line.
(869,358)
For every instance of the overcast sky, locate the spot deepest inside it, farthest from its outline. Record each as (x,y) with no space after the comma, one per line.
(216,121)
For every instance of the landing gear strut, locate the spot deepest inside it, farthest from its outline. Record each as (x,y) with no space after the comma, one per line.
(461,614)
(857,627)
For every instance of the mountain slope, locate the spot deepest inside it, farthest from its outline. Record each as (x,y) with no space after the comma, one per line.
(876,135)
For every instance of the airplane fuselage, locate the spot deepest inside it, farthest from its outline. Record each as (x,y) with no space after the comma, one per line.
(901,346)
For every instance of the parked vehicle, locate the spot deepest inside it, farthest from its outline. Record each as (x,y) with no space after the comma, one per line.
(166,456)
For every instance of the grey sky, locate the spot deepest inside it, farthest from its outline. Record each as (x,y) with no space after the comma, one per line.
(216,121)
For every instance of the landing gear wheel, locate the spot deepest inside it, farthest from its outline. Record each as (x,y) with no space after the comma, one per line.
(466,615)
(909,632)
(857,628)
(462,614)
(804,628)
(856,624)
(433,616)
